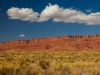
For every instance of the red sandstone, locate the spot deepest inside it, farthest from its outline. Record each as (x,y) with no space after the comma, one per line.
(76,42)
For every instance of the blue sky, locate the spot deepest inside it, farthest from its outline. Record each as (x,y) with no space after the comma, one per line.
(27,19)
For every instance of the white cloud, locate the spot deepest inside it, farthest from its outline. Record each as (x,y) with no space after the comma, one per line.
(88,10)
(22,35)
(24,14)
(68,15)
(58,14)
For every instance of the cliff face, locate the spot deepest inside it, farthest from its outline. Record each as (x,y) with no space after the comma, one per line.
(55,43)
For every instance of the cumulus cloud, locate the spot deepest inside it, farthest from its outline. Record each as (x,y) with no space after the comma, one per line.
(24,14)
(68,15)
(56,13)
(21,35)
(60,14)
(88,10)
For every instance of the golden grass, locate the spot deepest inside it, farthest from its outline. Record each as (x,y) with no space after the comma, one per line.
(50,63)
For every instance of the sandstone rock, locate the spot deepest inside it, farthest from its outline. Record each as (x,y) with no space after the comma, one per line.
(75,42)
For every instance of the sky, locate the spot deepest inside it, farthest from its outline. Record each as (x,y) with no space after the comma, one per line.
(28,19)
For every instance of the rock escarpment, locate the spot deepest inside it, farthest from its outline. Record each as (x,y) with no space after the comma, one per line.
(76,42)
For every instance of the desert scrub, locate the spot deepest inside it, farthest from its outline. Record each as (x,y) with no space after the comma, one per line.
(50,63)
(44,64)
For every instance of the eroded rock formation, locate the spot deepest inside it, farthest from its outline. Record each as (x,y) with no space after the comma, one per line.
(76,42)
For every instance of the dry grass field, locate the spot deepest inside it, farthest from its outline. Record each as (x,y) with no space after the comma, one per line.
(50,63)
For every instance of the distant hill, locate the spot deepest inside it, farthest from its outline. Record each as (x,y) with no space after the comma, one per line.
(76,42)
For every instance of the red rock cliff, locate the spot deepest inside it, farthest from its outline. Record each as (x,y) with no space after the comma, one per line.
(76,42)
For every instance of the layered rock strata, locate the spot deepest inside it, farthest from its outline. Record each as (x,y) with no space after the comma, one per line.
(76,42)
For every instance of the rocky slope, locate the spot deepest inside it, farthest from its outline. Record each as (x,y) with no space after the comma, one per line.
(76,42)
